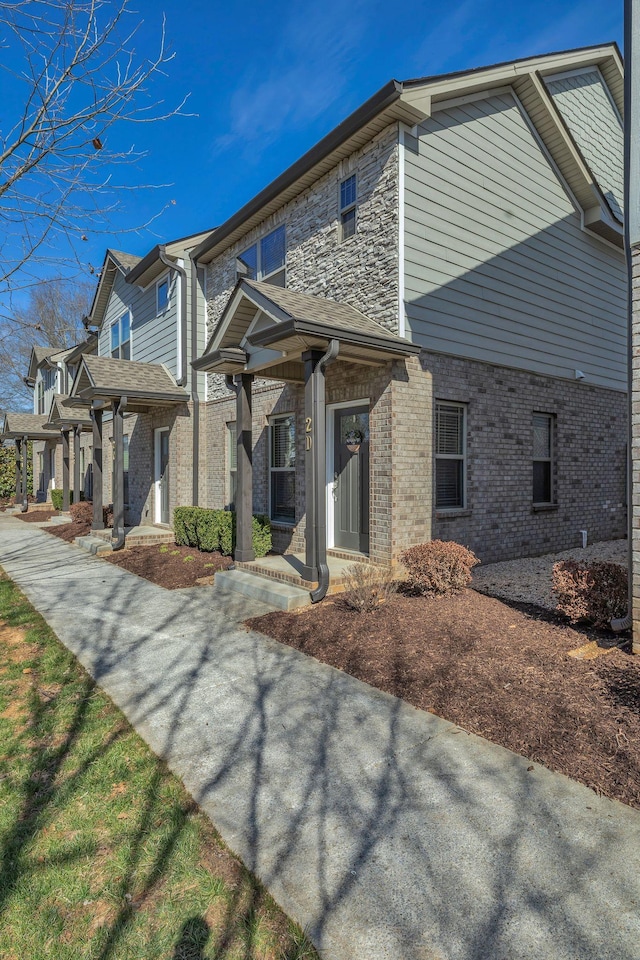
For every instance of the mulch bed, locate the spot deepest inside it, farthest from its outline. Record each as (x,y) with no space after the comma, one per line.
(37,516)
(69,531)
(170,566)
(496,671)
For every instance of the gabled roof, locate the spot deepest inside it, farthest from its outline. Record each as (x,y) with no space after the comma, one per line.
(277,325)
(154,262)
(105,378)
(115,261)
(63,411)
(413,101)
(38,357)
(34,426)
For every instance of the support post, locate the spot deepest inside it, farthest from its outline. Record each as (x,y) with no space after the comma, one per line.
(25,461)
(311,359)
(244,500)
(65,470)
(117,540)
(18,497)
(98,520)
(77,430)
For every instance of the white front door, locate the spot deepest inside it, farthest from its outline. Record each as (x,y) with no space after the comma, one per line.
(162,475)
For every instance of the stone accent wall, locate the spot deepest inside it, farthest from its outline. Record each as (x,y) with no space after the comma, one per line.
(500,521)
(362,271)
(635,447)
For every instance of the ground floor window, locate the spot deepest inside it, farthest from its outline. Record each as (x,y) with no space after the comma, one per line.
(543,443)
(450,450)
(41,484)
(282,469)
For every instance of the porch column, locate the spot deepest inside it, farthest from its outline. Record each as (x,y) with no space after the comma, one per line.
(25,462)
(244,498)
(311,359)
(118,471)
(98,521)
(77,430)
(65,470)
(18,496)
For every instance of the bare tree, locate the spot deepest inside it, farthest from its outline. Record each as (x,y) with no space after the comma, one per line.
(72,74)
(51,317)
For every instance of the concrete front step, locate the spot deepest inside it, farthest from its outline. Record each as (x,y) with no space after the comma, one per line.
(275,593)
(139,536)
(93,545)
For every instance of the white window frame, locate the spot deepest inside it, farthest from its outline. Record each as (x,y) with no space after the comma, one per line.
(115,323)
(551,421)
(260,275)
(458,457)
(272,421)
(166,278)
(348,208)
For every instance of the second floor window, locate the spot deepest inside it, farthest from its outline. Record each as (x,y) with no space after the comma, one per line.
(348,199)
(162,295)
(40,397)
(265,260)
(121,337)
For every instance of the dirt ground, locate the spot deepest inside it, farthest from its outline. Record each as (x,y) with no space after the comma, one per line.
(170,566)
(519,677)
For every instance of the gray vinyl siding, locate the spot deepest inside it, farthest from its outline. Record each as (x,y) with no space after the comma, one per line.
(153,338)
(497,266)
(587,110)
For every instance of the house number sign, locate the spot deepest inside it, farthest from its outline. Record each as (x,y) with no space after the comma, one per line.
(308,439)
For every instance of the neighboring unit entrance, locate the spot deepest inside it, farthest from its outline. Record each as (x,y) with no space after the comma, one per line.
(350,488)
(162,475)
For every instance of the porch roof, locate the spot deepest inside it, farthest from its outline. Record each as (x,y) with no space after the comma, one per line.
(34,426)
(63,413)
(106,379)
(267,329)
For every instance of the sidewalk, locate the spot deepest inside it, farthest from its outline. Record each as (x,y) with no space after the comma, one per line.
(388,833)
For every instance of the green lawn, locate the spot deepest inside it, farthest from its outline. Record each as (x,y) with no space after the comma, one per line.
(103,854)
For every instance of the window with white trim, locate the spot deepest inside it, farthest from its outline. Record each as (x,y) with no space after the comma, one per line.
(233,464)
(450,455)
(265,260)
(282,469)
(543,443)
(121,337)
(162,296)
(348,202)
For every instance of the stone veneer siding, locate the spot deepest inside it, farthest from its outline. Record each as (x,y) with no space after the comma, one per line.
(362,271)
(500,521)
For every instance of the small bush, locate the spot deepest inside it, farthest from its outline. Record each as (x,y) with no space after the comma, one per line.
(596,592)
(82,512)
(440,566)
(57,498)
(367,586)
(210,530)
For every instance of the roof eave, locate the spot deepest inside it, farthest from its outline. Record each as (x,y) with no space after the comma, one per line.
(387,95)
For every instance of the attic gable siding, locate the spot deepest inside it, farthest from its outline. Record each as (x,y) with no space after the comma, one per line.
(587,110)
(497,267)
(153,339)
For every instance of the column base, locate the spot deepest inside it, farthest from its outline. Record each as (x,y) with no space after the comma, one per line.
(309,573)
(244,556)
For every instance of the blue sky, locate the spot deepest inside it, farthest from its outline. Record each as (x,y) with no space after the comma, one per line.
(267,80)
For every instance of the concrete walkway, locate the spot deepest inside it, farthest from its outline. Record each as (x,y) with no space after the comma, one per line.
(386,832)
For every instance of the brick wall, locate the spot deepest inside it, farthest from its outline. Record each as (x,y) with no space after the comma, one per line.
(501,522)
(635,448)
